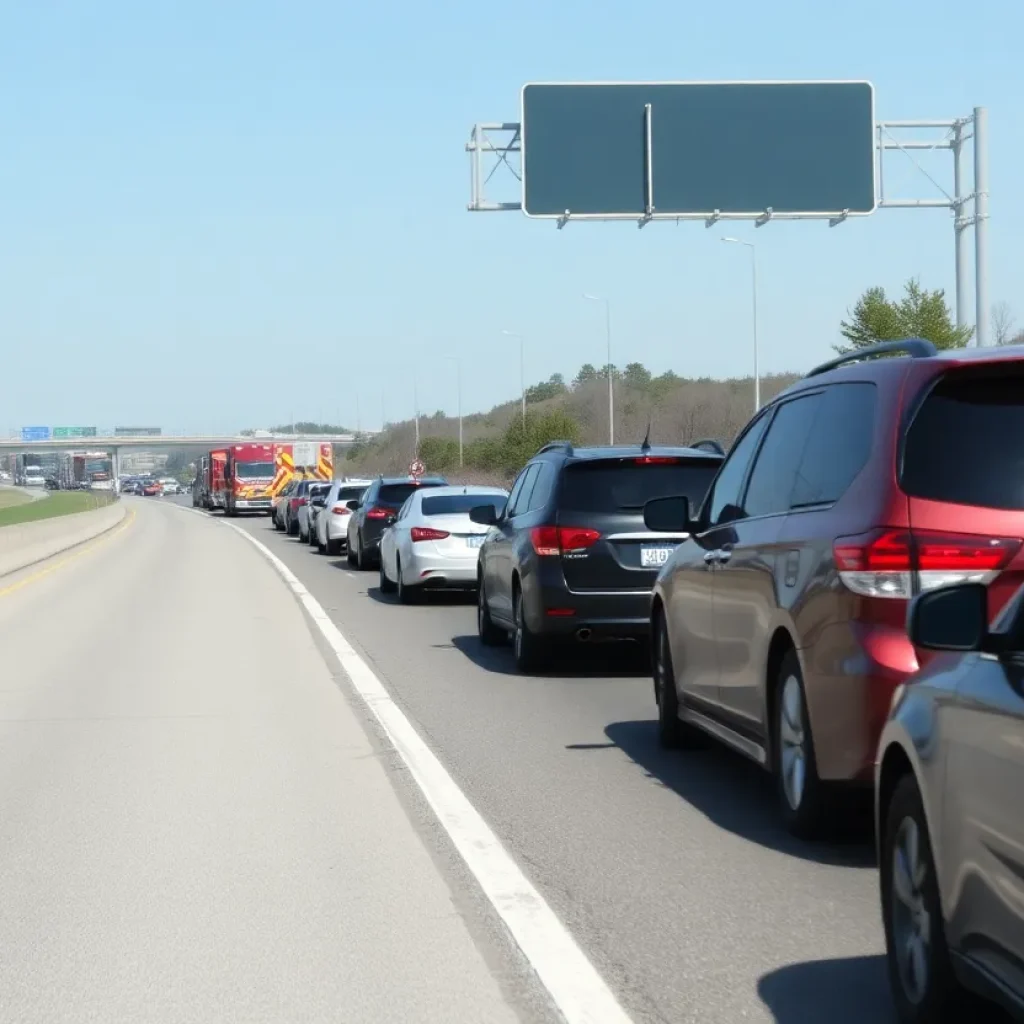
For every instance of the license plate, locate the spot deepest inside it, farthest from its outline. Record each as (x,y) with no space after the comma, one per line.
(653,557)
(475,541)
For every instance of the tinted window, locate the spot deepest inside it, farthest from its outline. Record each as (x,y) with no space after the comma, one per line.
(838,446)
(350,493)
(626,485)
(517,488)
(726,496)
(541,492)
(774,476)
(395,494)
(966,444)
(520,504)
(460,504)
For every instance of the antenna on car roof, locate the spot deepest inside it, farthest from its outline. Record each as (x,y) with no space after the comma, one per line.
(645,444)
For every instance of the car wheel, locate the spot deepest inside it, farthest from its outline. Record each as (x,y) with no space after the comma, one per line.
(801,791)
(293,527)
(351,556)
(362,562)
(530,650)
(673,734)
(924,985)
(303,537)
(277,524)
(490,634)
(406,594)
(386,585)
(333,547)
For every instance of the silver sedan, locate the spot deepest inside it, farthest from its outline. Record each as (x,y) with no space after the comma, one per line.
(432,543)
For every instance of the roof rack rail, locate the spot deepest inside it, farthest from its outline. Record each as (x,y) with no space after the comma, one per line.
(916,348)
(707,444)
(556,446)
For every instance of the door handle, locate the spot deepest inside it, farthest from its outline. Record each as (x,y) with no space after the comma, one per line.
(710,557)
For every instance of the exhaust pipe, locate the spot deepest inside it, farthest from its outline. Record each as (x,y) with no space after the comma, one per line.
(583,635)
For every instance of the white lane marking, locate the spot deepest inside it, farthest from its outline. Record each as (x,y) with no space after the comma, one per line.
(578,991)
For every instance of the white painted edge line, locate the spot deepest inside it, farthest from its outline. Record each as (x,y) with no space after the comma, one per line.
(578,991)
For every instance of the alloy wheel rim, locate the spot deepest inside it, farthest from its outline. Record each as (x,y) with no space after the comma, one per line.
(792,742)
(911,920)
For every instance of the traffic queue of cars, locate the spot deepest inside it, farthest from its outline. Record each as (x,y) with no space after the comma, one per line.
(838,599)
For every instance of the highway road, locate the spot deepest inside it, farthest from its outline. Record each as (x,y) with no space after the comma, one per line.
(670,870)
(197,823)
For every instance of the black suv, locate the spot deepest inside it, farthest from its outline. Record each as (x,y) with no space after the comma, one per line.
(570,556)
(377,511)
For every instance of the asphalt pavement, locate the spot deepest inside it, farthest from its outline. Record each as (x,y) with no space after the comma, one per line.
(671,870)
(198,823)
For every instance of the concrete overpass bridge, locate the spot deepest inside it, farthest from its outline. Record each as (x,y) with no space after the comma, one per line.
(159,442)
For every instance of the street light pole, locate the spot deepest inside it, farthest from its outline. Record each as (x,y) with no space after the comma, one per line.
(611,389)
(753,273)
(522,374)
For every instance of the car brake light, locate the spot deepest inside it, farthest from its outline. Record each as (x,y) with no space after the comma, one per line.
(377,513)
(427,533)
(340,510)
(656,460)
(553,540)
(898,563)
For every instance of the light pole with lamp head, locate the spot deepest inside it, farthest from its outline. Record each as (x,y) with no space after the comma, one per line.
(753,269)
(611,391)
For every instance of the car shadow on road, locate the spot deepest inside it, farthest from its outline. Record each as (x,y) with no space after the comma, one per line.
(434,598)
(616,661)
(847,990)
(739,796)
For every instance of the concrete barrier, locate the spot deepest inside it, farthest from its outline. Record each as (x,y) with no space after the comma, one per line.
(24,544)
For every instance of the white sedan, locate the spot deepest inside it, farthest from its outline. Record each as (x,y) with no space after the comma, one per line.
(432,542)
(330,524)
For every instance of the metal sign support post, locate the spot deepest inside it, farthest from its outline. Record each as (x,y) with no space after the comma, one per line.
(503,140)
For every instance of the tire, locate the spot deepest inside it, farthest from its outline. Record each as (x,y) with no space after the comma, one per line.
(802,795)
(332,548)
(406,594)
(277,524)
(351,557)
(362,561)
(490,635)
(673,734)
(303,537)
(386,585)
(531,650)
(937,997)
(293,528)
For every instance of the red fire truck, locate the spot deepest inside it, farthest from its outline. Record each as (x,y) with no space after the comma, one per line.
(247,477)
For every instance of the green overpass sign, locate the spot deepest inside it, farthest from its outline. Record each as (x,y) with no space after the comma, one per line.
(74,432)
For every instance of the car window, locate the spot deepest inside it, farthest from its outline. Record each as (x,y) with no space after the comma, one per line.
(395,494)
(460,504)
(350,494)
(965,446)
(627,484)
(521,503)
(541,492)
(838,446)
(773,479)
(723,502)
(516,489)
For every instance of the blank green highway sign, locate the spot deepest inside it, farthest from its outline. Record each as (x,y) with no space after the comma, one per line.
(74,431)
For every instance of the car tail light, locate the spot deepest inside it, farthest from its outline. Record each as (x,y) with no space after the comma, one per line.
(553,540)
(427,533)
(898,563)
(656,460)
(377,513)
(340,510)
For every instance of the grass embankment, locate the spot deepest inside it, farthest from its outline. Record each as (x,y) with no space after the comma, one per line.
(59,503)
(9,498)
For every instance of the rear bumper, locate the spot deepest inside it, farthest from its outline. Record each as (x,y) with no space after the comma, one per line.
(554,610)
(435,571)
(337,527)
(253,504)
(850,676)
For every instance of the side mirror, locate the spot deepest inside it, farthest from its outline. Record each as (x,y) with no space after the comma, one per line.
(950,618)
(668,515)
(483,515)
(353,504)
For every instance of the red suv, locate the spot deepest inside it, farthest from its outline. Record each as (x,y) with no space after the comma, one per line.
(779,627)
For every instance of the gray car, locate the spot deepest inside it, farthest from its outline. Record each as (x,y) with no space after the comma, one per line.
(949,779)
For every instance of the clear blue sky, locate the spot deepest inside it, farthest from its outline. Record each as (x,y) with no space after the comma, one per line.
(217,214)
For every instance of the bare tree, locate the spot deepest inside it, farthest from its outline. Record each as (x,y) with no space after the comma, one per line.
(1003,324)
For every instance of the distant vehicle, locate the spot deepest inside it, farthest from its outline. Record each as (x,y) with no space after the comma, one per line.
(170,486)
(242,478)
(317,492)
(433,543)
(376,510)
(947,794)
(330,525)
(294,497)
(152,488)
(780,625)
(52,483)
(34,477)
(570,556)
(128,485)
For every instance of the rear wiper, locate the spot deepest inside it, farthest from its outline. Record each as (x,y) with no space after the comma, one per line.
(631,508)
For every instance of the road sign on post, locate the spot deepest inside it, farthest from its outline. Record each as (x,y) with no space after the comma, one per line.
(698,150)
(35,433)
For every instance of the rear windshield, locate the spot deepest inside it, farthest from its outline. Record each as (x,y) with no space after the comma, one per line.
(966,444)
(456,504)
(395,494)
(627,485)
(351,493)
